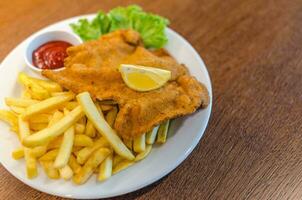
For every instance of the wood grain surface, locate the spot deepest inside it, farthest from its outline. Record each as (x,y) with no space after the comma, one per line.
(252,148)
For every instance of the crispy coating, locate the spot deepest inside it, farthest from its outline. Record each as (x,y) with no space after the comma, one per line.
(93,67)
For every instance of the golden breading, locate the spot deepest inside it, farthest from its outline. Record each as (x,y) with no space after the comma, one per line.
(93,66)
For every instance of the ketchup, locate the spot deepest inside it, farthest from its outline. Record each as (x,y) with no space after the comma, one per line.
(50,55)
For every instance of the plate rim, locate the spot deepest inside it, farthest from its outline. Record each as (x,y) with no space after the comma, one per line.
(146,183)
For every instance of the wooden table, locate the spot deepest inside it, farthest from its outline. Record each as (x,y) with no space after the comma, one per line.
(252,148)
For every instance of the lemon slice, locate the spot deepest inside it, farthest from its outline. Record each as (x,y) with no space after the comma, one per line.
(141,78)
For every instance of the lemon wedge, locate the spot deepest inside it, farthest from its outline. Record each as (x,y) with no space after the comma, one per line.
(141,78)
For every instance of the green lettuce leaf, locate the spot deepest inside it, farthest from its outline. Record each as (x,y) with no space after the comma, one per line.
(122,17)
(152,29)
(102,22)
(92,30)
(150,26)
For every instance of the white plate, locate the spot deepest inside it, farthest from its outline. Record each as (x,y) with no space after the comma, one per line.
(184,133)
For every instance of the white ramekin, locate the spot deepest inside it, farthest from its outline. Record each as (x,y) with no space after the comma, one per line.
(40,39)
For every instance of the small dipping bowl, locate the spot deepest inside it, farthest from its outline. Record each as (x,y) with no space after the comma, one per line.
(37,40)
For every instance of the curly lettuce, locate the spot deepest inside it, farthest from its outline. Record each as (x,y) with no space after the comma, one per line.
(150,26)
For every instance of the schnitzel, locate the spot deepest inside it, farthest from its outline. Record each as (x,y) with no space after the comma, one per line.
(93,67)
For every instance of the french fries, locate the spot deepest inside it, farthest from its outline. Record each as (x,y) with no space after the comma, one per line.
(74,165)
(98,107)
(25,94)
(57,116)
(102,126)
(71,138)
(14,128)
(36,91)
(71,105)
(122,165)
(50,170)
(48,85)
(55,143)
(143,154)
(92,163)
(139,144)
(8,117)
(81,140)
(111,115)
(79,128)
(117,159)
(151,135)
(45,135)
(82,121)
(162,132)
(84,153)
(37,126)
(90,130)
(106,107)
(76,149)
(105,169)
(30,160)
(50,155)
(17,110)
(31,164)
(66,172)
(65,148)
(46,105)
(9,101)
(23,128)
(40,118)
(54,94)
(18,153)
(38,151)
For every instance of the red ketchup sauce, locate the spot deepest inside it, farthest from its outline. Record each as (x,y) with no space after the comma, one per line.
(50,55)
